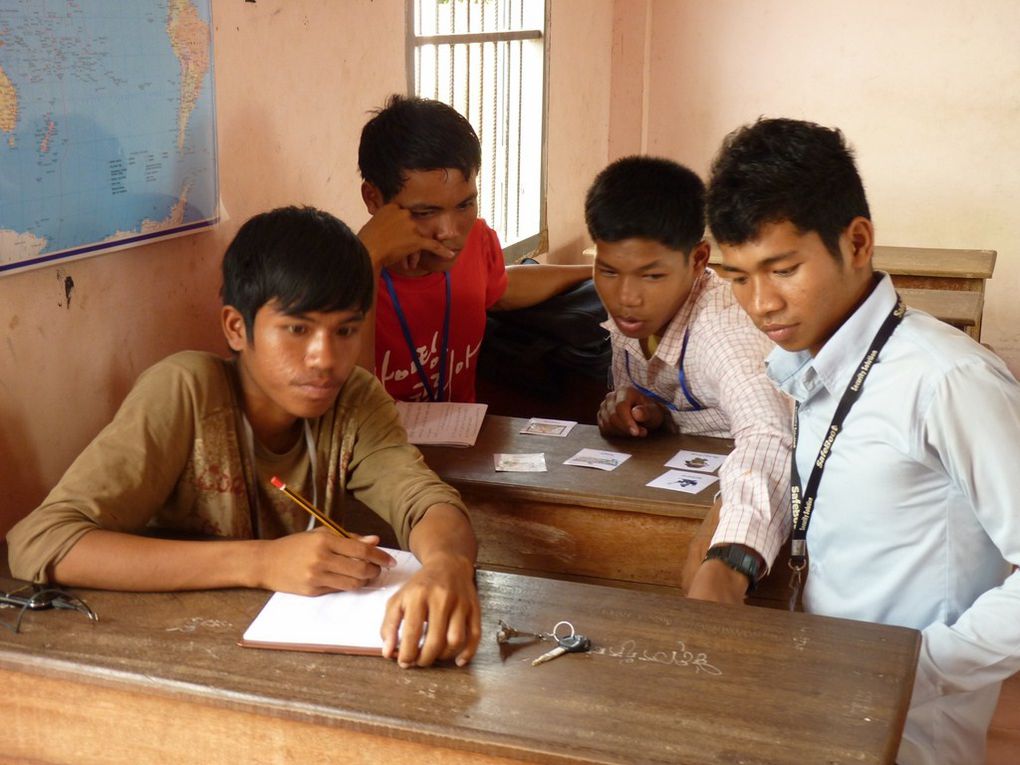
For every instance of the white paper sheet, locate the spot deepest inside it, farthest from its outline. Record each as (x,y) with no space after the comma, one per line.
(337,621)
(442,423)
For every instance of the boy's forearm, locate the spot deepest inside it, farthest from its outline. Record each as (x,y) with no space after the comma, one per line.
(529,285)
(115,561)
(444,531)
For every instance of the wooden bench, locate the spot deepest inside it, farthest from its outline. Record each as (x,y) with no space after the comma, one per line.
(961,309)
(925,269)
(948,284)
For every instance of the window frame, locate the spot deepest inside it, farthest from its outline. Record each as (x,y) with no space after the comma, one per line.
(537,243)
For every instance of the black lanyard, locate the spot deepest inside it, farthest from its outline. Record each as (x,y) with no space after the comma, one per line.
(413,349)
(695,404)
(802,501)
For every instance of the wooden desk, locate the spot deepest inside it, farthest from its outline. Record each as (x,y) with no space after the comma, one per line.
(936,268)
(948,284)
(161,680)
(929,269)
(580,522)
(959,308)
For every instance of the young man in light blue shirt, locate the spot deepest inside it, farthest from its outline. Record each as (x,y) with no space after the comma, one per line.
(907,433)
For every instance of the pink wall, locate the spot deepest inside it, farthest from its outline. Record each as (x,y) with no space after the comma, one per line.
(926,92)
(578,135)
(628,116)
(294,81)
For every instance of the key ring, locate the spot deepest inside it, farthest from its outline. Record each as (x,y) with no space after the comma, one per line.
(559,639)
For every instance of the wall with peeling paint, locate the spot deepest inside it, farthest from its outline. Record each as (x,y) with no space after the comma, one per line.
(294,82)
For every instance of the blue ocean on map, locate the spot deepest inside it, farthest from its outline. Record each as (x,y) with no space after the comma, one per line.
(99,147)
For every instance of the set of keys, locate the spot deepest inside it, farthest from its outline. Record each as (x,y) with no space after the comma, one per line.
(566,643)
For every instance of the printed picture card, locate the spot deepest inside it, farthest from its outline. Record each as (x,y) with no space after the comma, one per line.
(598,459)
(537,426)
(520,463)
(679,480)
(703,462)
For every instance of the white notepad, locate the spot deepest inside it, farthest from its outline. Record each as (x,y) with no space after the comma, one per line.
(443,423)
(338,622)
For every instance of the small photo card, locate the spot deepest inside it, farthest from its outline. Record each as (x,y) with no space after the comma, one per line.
(520,463)
(596,458)
(678,480)
(538,426)
(703,462)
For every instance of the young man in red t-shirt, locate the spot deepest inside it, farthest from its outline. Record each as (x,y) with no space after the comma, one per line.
(440,266)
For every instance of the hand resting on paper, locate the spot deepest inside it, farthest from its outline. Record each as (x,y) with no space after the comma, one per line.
(320,561)
(442,594)
(627,412)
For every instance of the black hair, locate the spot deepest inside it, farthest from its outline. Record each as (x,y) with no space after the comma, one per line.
(415,134)
(784,170)
(306,259)
(647,198)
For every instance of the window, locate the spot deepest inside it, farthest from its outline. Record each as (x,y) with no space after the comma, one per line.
(486,58)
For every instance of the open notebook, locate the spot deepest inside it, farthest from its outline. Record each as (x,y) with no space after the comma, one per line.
(338,622)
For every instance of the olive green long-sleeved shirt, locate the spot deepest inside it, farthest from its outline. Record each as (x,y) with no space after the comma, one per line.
(175,457)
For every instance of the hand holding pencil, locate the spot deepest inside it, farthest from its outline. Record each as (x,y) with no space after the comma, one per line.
(322,560)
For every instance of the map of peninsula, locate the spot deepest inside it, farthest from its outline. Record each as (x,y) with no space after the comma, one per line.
(189,37)
(8,103)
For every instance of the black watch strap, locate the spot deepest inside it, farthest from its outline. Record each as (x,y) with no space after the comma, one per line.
(739,558)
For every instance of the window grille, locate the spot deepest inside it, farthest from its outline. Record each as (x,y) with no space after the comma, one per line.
(487,59)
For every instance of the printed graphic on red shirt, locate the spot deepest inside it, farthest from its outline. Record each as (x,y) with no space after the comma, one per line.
(398,371)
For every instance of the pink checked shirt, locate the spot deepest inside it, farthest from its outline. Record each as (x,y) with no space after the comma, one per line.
(724,369)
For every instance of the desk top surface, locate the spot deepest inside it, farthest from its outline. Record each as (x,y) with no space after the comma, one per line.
(620,489)
(669,680)
(929,261)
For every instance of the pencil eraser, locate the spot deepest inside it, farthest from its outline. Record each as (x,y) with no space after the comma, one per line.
(277,483)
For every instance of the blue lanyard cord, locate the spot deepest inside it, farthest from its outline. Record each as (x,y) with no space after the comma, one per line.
(681,378)
(695,404)
(412,348)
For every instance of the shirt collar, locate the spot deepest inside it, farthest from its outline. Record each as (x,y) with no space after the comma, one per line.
(798,374)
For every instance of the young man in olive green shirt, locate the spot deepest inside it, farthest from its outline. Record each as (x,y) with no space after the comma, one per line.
(196,441)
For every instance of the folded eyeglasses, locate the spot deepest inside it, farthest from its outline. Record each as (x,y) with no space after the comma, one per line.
(34,597)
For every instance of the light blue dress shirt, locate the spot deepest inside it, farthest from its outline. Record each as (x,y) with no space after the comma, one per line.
(917,520)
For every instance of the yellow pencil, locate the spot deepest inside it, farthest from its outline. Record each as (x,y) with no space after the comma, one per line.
(310,508)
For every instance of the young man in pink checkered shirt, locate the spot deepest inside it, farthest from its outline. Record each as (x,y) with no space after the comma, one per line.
(687,359)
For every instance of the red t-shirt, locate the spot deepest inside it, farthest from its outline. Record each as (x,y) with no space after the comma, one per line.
(477,280)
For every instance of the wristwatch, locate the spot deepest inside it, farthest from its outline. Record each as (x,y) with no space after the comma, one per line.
(740,558)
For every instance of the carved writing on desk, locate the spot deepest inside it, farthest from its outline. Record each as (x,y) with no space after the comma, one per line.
(629,652)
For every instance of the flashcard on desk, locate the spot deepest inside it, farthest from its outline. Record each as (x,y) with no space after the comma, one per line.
(596,458)
(678,480)
(539,426)
(520,463)
(703,462)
